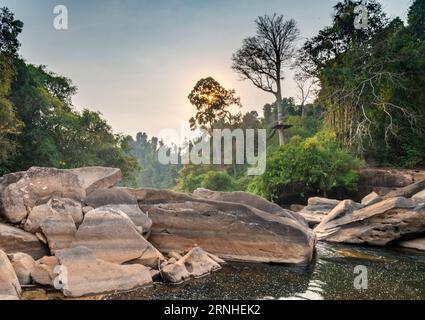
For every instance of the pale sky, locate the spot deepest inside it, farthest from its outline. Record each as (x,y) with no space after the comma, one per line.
(136,61)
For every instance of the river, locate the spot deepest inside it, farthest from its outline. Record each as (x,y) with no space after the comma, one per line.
(391,274)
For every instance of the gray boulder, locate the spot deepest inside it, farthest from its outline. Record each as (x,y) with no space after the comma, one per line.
(82,274)
(37,185)
(113,237)
(232,231)
(57,208)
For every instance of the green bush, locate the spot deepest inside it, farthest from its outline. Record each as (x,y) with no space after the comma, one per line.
(192,177)
(317,164)
(218,181)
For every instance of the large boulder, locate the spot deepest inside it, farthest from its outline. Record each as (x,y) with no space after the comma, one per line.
(10,289)
(379,224)
(250,200)
(232,231)
(15,240)
(196,263)
(113,237)
(136,215)
(120,199)
(56,208)
(84,274)
(37,185)
(23,265)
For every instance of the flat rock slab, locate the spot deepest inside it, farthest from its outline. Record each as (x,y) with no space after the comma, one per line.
(113,237)
(232,231)
(83,274)
(9,284)
(15,240)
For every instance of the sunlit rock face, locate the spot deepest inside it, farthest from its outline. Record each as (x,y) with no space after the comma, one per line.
(233,231)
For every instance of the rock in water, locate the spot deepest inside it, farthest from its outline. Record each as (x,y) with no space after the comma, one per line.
(37,185)
(317,209)
(14,240)
(84,274)
(23,265)
(417,244)
(10,289)
(113,237)
(232,231)
(379,224)
(196,263)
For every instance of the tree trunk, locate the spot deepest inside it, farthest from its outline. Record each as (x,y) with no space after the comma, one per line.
(280,113)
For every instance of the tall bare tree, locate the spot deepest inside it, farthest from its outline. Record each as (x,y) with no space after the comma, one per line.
(262,58)
(306,89)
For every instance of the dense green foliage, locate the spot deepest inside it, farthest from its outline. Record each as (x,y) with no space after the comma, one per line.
(372,82)
(316,165)
(38,123)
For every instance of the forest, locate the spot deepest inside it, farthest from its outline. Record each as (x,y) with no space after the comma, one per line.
(361,102)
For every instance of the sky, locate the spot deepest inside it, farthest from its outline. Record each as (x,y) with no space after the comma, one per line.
(136,61)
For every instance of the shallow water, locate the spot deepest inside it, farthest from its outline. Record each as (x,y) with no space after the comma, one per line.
(392,274)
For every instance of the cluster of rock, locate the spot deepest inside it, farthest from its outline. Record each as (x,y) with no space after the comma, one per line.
(396,218)
(77,231)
